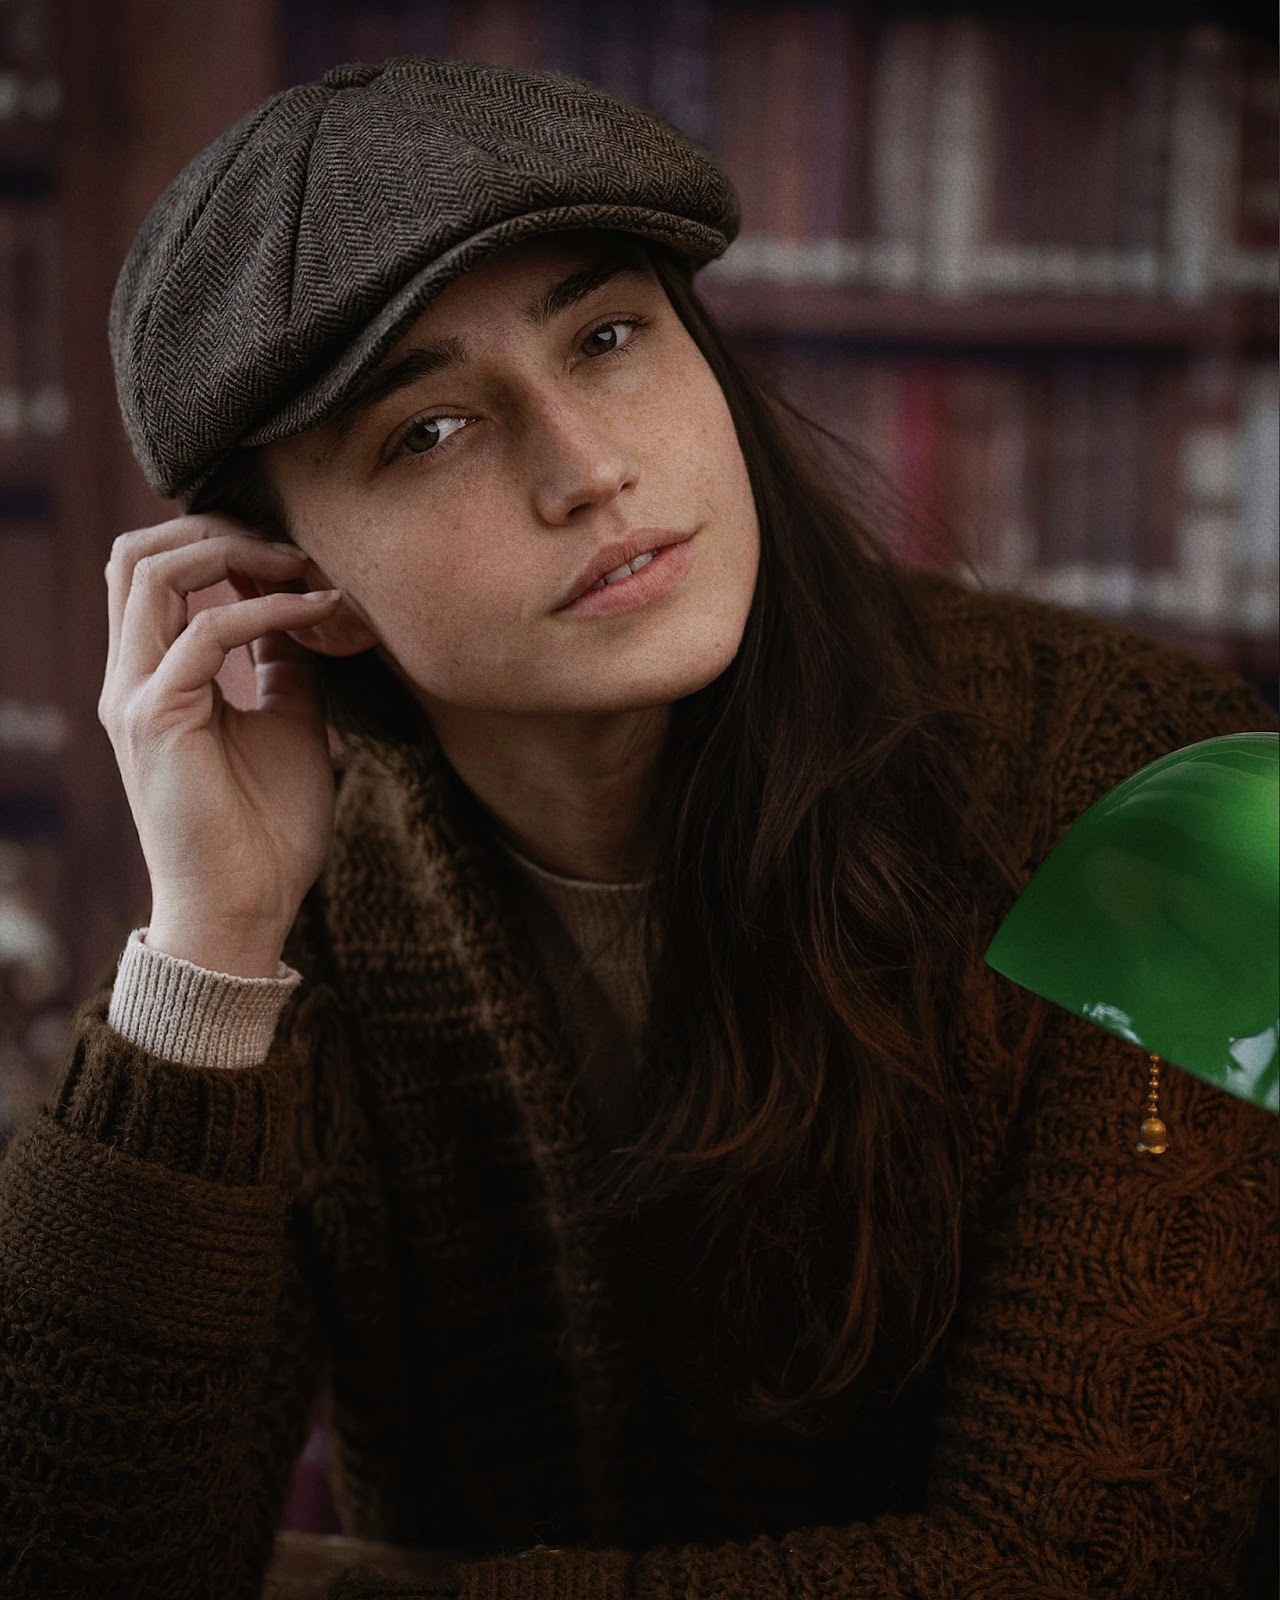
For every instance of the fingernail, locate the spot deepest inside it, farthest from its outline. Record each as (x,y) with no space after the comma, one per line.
(319,596)
(289,549)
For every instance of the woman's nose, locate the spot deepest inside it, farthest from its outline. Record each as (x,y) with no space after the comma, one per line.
(576,460)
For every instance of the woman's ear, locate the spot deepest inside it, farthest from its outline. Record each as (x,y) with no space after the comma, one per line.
(341,633)
(344,632)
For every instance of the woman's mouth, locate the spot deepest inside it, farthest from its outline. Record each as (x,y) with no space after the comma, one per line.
(626,570)
(636,583)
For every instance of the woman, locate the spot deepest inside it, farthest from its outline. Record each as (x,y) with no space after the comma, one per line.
(597,1090)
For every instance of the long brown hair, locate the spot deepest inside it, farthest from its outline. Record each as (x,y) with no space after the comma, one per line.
(800,1168)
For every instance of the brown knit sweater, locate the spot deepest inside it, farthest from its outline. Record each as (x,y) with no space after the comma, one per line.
(387,1206)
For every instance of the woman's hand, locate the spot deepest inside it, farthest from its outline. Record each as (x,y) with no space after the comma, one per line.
(234,809)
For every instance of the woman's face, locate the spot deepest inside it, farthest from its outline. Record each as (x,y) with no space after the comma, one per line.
(458,511)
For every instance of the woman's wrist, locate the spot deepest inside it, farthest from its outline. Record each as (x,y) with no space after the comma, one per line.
(237,953)
(194,1014)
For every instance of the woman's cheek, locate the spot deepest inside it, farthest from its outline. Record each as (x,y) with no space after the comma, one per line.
(448,632)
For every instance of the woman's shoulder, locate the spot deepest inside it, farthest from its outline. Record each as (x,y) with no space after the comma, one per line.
(989,633)
(1001,645)
(1073,702)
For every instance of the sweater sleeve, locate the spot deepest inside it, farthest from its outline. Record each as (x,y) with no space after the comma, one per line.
(188,1014)
(159,1346)
(1108,1422)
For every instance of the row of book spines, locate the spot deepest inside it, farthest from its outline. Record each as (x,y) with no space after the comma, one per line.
(33,405)
(946,132)
(1152,468)
(849,122)
(984,268)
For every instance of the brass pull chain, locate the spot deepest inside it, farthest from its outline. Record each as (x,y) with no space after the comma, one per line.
(1154,1136)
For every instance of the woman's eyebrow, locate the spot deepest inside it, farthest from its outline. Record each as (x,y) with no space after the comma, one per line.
(567,291)
(388,379)
(422,360)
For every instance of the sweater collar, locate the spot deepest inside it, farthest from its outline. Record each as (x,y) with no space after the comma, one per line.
(414,874)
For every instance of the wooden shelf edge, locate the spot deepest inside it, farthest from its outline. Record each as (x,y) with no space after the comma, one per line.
(768,310)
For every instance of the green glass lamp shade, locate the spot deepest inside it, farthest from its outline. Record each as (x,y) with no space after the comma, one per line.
(1156,916)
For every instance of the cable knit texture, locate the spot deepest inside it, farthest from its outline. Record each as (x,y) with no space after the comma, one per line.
(387,1206)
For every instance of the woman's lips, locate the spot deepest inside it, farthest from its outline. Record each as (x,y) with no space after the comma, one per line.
(654,580)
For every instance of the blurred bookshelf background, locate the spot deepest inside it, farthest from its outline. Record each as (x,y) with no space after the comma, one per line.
(1027,262)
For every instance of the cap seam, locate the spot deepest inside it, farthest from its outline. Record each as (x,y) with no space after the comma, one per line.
(297,221)
(181,237)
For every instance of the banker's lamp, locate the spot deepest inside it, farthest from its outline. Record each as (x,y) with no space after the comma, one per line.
(1156,916)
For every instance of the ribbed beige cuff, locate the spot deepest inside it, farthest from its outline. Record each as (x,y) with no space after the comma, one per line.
(181,1012)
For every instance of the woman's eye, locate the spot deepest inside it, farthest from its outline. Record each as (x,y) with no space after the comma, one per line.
(424,435)
(428,432)
(610,336)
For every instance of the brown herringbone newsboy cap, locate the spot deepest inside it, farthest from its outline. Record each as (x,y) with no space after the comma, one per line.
(289,255)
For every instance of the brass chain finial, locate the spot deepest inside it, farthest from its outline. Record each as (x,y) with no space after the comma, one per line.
(1154,1136)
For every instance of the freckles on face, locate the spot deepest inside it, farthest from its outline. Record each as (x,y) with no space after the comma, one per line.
(459,557)
(459,597)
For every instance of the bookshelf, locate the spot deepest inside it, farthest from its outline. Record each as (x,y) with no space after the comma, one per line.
(99,106)
(1028,263)
(33,724)
(760,309)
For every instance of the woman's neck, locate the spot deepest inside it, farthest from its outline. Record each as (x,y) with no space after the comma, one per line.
(574,793)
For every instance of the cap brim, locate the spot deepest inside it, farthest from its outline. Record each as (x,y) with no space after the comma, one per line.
(313,404)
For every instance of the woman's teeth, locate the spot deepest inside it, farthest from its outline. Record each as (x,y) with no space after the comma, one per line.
(624,571)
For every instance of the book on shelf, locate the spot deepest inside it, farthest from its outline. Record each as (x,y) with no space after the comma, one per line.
(898,118)
(39,296)
(791,81)
(1257,223)
(737,133)
(1204,141)
(29,41)
(1145,155)
(29,628)
(785,146)
(1067,432)
(31,102)
(33,401)
(12,421)
(617,50)
(504,33)
(1129,485)
(1116,488)
(1053,156)
(923,459)
(1259,463)
(1208,531)
(999,516)
(959,203)
(681,72)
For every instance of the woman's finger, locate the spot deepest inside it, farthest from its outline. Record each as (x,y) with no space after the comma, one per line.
(129,548)
(155,610)
(199,654)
